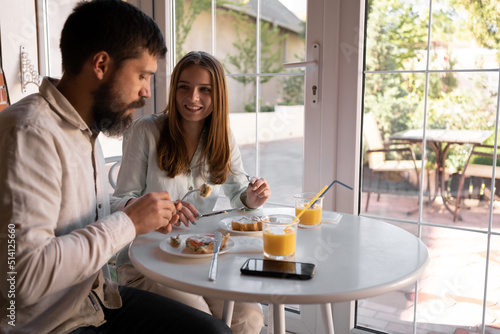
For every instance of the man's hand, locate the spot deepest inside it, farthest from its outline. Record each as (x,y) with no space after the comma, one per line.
(153,211)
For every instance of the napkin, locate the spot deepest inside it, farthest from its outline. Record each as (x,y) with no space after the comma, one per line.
(330,217)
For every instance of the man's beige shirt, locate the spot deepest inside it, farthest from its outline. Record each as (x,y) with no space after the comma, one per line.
(53,192)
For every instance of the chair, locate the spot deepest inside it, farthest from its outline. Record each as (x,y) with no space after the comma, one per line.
(476,170)
(376,154)
(113,163)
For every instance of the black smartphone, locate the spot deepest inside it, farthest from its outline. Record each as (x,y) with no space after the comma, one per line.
(281,269)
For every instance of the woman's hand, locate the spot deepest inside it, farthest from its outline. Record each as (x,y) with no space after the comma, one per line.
(187,215)
(258,192)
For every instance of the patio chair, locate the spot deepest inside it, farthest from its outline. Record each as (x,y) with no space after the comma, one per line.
(113,163)
(376,154)
(474,170)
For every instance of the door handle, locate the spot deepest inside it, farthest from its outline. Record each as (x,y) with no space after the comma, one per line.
(312,85)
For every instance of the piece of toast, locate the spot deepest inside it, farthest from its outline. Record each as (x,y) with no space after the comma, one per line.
(203,244)
(247,224)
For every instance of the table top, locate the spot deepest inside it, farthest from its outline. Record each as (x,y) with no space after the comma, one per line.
(355,258)
(444,135)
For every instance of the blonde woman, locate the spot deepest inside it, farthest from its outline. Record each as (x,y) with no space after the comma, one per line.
(180,150)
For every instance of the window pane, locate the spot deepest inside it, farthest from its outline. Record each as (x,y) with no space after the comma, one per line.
(281,135)
(460,101)
(493,290)
(193,22)
(397,35)
(273,136)
(465,35)
(393,103)
(236,38)
(451,292)
(391,312)
(56,14)
(458,110)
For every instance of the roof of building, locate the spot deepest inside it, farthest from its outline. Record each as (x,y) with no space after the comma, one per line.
(271,11)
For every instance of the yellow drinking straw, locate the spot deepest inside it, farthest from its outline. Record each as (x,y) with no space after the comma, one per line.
(310,203)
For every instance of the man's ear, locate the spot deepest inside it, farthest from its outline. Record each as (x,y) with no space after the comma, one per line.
(101,64)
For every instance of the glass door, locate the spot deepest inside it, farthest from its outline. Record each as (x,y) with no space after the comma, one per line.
(432,74)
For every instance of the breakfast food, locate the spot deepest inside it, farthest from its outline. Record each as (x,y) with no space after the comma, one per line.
(175,241)
(203,244)
(247,224)
(205,190)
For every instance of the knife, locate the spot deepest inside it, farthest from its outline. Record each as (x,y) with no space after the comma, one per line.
(212,273)
(201,215)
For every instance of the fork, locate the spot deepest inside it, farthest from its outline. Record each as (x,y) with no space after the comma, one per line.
(189,192)
(208,190)
(249,178)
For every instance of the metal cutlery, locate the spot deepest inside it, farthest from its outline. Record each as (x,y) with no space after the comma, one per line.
(201,215)
(189,192)
(204,191)
(249,178)
(212,273)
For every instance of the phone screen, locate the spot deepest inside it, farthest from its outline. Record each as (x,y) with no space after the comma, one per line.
(282,269)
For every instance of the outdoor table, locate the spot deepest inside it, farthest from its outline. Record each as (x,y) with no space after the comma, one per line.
(355,258)
(440,141)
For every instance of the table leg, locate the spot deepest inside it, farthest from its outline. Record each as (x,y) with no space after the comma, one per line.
(279,318)
(227,312)
(326,314)
(441,149)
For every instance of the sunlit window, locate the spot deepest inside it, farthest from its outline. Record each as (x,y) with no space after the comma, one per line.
(430,97)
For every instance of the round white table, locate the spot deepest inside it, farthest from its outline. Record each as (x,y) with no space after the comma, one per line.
(355,258)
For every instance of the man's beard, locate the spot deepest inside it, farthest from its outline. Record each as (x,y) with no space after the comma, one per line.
(109,110)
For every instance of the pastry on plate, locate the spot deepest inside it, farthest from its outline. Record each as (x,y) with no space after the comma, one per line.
(175,241)
(203,244)
(247,224)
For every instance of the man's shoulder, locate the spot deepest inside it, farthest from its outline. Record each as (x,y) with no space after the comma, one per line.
(29,110)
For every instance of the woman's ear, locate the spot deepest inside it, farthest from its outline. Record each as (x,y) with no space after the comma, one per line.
(101,64)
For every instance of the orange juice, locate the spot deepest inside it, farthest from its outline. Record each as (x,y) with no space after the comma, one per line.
(279,242)
(310,217)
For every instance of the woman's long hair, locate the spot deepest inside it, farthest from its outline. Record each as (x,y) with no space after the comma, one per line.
(172,150)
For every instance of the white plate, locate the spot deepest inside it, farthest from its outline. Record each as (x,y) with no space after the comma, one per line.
(225,224)
(182,251)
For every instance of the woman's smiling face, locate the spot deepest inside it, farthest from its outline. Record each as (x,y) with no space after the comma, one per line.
(193,96)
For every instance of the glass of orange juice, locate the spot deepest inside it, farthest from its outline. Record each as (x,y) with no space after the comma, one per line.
(312,216)
(279,234)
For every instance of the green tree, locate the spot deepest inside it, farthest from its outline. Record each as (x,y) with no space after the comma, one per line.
(293,90)
(483,21)
(244,60)
(185,16)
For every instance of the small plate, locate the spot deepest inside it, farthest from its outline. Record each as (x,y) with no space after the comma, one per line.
(225,224)
(182,251)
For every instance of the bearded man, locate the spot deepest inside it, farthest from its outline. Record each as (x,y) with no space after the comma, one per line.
(57,229)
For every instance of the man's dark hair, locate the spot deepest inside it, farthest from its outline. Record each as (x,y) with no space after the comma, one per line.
(114,26)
